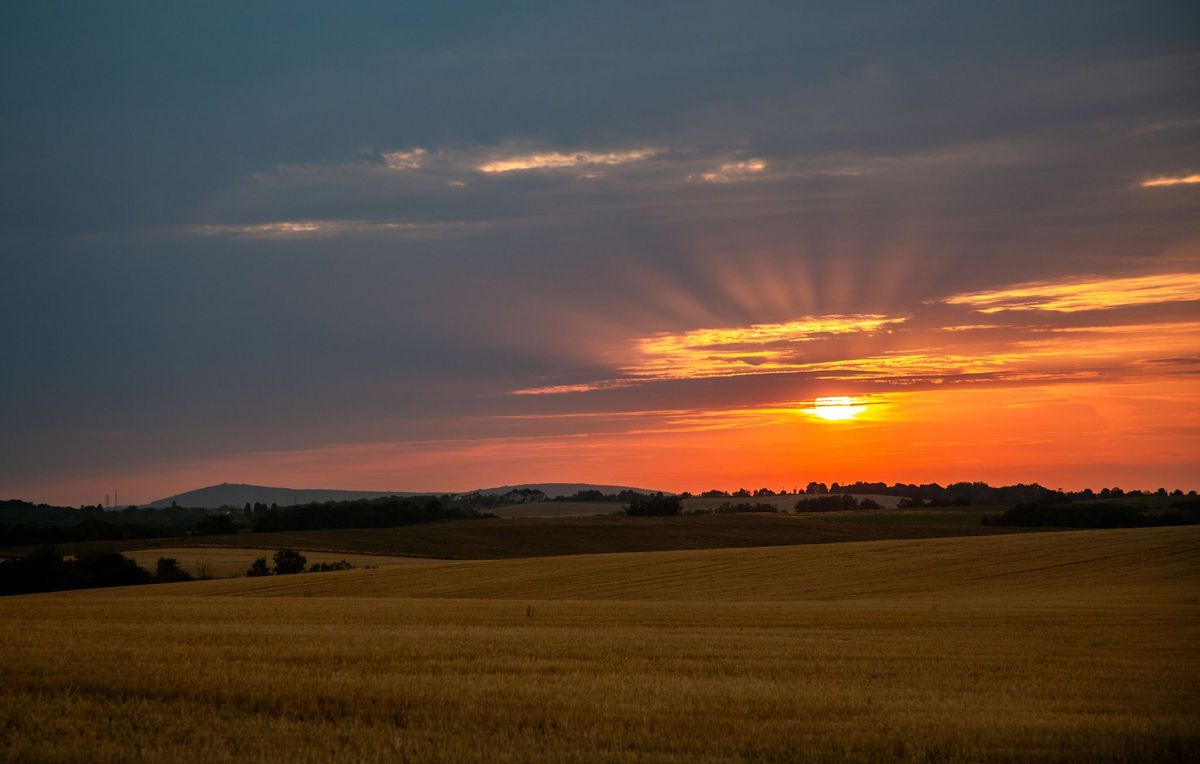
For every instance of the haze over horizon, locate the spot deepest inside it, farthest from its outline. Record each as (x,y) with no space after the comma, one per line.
(718,245)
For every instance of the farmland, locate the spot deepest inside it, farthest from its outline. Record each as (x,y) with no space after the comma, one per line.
(542,536)
(1048,646)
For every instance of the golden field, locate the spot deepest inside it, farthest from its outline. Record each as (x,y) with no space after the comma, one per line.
(1057,646)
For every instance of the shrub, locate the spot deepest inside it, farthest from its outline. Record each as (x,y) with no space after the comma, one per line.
(258,568)
(321,567)
(289,561)
(168,570)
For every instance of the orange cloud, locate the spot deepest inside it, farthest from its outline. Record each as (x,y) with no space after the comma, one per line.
(1181,180)
(754,349)
(1085,294)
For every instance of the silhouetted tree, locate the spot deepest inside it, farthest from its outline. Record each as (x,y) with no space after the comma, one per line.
(258,568)
(653,505)
(168,570)
(289,561)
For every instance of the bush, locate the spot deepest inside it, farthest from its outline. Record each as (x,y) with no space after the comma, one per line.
(321,567)
(655,505)
(167,570)
(758,506)
(289,561)
(258,568)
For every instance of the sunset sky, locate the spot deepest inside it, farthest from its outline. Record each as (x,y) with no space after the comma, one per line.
(440,248)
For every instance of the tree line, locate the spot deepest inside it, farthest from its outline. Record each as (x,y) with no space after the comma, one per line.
(26,524)
(1102,514)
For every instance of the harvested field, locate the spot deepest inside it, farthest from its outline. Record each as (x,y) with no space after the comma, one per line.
(1076,646)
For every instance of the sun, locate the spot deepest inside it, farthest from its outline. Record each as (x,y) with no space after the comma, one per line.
(836,408)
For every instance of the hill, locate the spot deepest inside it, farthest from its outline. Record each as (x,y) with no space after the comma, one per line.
(239,494)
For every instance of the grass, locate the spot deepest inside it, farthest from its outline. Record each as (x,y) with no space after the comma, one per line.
(1050,647)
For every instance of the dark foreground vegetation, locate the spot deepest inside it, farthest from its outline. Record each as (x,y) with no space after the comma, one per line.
(47,570)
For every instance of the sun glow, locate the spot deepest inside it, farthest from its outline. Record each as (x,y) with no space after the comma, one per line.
(836,408)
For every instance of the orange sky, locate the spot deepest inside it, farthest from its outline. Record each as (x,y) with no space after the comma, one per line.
(1082,382)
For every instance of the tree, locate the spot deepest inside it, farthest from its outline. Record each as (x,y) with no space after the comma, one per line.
(168,570)
(289,561)
(258,568)
(655,505)
(215,525)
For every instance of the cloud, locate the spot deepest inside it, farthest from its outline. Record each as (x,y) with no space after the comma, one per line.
(557,160)
(1085,294)
(318,229)
(405,160)
(732,171)
(754,349)
(1179,180)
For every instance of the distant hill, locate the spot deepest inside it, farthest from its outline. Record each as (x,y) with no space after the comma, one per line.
(238,494)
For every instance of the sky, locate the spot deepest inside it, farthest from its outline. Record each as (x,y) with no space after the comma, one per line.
(441,246)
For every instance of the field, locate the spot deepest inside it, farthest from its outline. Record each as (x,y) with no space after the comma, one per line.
(1052,646)
(534,537)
